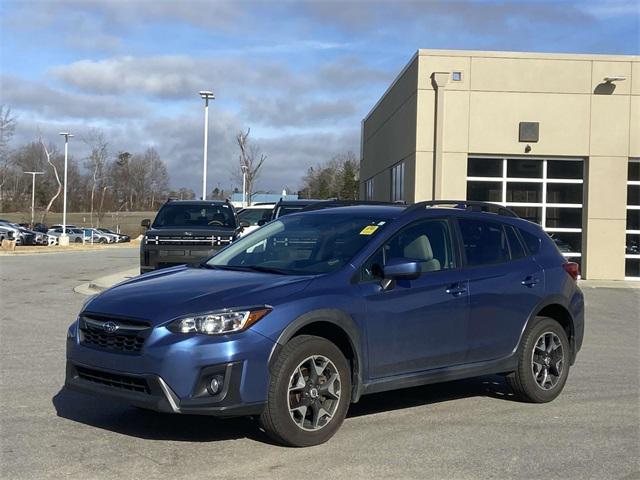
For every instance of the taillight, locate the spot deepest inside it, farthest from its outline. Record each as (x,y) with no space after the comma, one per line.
(572,268)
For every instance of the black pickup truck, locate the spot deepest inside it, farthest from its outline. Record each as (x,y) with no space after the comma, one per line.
(187,231)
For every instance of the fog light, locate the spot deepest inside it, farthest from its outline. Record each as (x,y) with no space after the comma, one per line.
(215,385)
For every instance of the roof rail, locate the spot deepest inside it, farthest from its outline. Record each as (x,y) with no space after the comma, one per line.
(347,203)
(468,205)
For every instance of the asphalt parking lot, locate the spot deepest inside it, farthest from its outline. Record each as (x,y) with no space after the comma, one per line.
(467,429)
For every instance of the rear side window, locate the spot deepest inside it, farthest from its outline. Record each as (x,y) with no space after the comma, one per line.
(532,241)
(517,250)
(484,242)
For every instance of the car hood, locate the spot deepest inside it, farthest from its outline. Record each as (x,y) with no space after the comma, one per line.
(169,293)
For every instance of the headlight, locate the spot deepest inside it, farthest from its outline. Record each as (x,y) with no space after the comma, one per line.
(220,322)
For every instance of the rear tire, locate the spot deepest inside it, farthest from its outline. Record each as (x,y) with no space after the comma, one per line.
(543,362)
(77,240)
(309,393)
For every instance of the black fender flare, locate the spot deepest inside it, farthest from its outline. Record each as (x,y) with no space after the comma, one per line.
(341,320)
(552,300)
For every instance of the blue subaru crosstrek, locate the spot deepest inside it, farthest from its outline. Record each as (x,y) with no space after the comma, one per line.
(303,316)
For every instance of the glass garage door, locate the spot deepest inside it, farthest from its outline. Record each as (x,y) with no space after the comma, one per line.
(547,191)
(632,248)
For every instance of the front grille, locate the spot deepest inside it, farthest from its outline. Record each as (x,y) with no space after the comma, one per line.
(128,337)
(214,240)
(122,382)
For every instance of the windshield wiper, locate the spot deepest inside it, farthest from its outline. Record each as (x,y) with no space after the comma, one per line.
(260,268)
(247,268)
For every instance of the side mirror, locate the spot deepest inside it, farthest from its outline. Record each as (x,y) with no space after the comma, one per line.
(401,269)
(244,224)
(146,223)
(262,221)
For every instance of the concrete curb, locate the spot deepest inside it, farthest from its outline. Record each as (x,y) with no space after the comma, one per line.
(102,283)
(626,284)
(44,250)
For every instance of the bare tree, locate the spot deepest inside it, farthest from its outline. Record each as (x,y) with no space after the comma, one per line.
(251,160)
(7,130)
(95,162)
(49,153)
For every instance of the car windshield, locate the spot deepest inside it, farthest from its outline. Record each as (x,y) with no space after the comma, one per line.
(195,216)
(253,215)
(305,244)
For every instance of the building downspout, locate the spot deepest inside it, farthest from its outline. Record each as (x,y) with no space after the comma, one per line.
(439,80)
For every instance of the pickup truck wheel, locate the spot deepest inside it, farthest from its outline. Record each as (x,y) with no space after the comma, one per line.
(309,392)
(543,362)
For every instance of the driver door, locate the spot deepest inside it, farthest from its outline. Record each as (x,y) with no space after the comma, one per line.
(421,324)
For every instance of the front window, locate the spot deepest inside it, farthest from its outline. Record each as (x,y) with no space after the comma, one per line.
(195,216)
(301,245)
(427,242)
(288,209)
(253,215)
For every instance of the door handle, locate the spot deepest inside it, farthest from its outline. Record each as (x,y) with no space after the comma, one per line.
(530,281)
(456,290)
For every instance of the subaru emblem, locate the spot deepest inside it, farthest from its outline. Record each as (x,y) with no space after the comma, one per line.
(188,233)
(110,327)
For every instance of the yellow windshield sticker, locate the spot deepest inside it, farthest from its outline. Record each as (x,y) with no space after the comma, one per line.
(368,230)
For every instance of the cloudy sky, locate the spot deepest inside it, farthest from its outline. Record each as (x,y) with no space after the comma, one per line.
(300,74)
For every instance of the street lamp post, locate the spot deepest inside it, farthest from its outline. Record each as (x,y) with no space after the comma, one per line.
(33,193)
(244,169)
(206,96)
(64,238)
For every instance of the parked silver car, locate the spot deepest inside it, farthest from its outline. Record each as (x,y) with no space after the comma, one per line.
(75,234)
(92,235)
(21,235)
(5,233)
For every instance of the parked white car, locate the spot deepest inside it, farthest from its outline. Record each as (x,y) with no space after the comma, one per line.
(249,217)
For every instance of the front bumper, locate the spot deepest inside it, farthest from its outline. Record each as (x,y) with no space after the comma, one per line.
(171,372)
(152,392)
(153,257)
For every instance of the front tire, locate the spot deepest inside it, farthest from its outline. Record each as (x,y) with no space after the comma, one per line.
(309,393)
(543,362)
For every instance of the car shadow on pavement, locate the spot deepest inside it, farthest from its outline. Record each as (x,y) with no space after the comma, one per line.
(121,418)
(147,424)
(493,386)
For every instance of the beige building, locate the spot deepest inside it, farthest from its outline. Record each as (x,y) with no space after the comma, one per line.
(555,137)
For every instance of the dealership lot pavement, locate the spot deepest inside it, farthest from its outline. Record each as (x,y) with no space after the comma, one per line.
(468,429)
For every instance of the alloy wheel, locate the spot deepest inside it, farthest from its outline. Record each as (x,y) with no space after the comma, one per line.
(547,360)
(314,393)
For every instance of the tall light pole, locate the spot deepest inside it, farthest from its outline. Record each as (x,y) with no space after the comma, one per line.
(33,193)
(64,239)
(244,169)
(206,96)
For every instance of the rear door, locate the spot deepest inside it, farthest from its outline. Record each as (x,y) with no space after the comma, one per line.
(505,285)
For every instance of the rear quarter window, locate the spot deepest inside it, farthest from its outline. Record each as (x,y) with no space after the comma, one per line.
(531,241)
